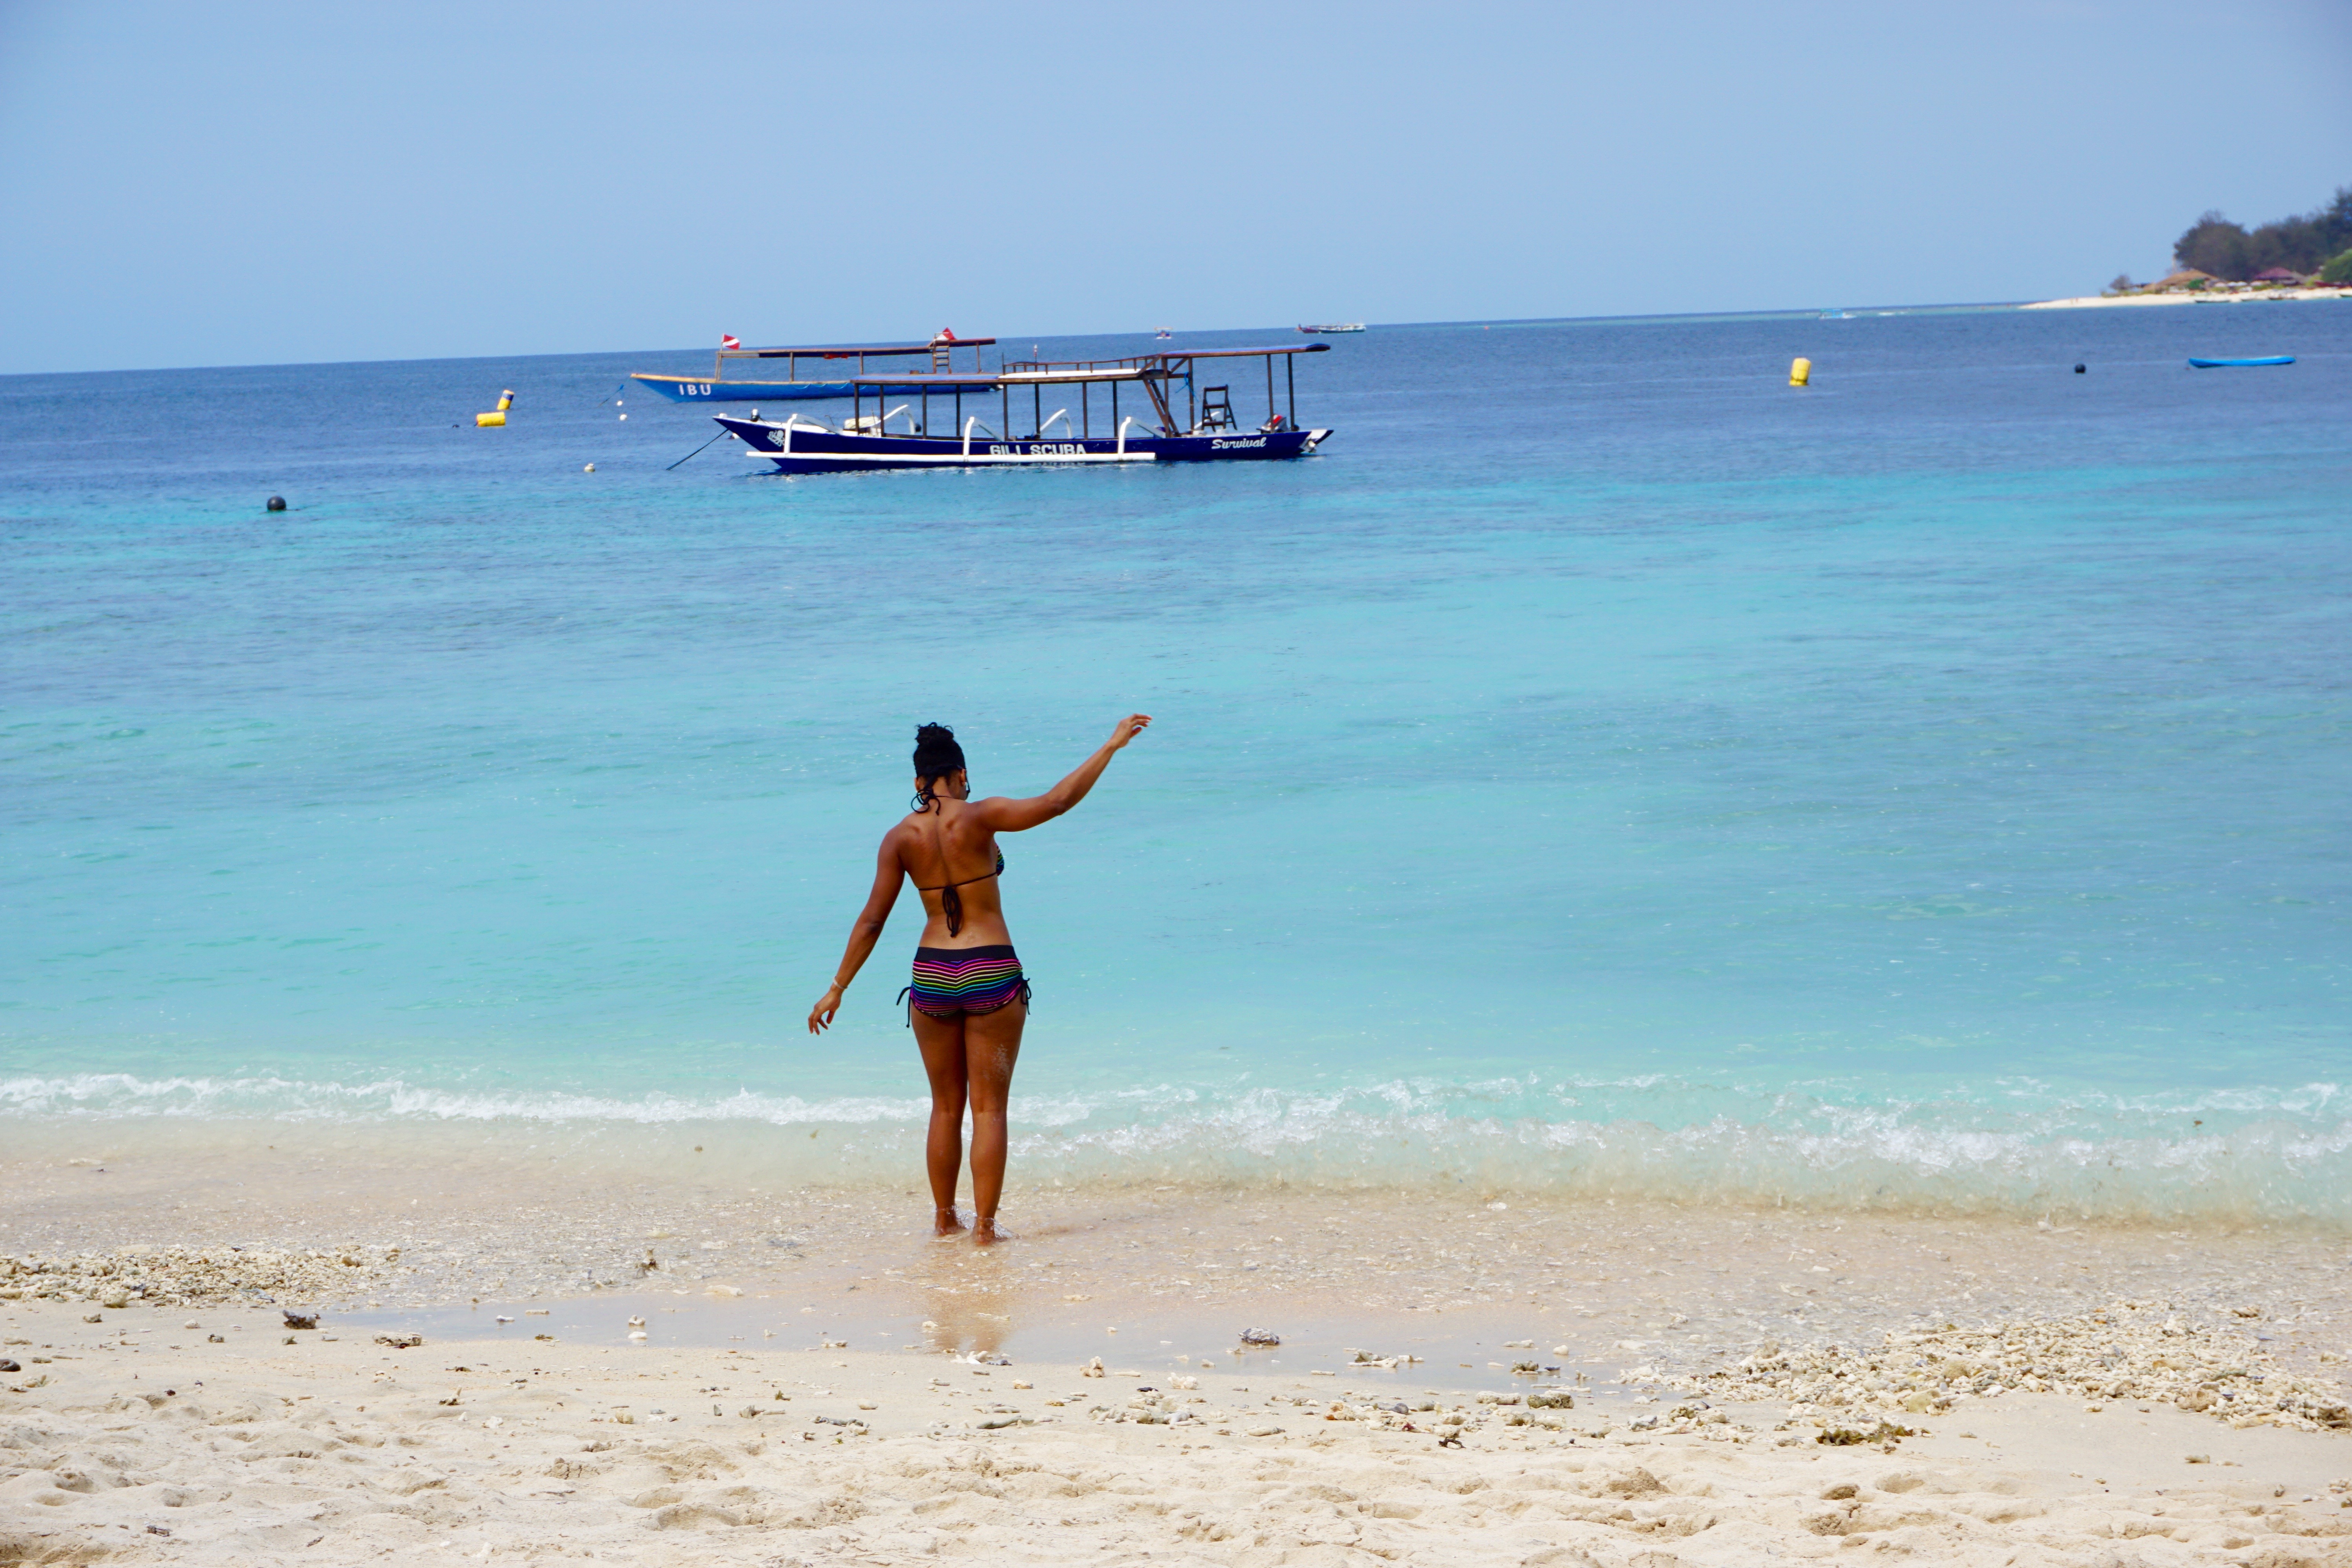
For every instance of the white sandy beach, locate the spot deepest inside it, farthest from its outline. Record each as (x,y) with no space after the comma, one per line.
(137,1439)
(810,1388)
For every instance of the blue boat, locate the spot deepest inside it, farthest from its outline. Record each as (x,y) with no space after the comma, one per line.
(711,389)
(2196,363)
(1208,431)
(836,367)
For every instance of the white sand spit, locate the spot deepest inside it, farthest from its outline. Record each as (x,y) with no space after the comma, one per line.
(2265,296)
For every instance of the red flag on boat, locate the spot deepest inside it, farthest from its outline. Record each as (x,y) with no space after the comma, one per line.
(730,340)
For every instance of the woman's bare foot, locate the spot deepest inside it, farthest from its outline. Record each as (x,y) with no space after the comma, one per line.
(945,1223)
(985,1233)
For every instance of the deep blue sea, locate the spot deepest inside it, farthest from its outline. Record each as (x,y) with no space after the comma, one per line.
(1603,768)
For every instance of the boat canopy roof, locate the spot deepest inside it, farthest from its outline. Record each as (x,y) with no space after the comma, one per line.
(1233,354)
(1048,372)
(832,351)
(1164,356)
(979,381)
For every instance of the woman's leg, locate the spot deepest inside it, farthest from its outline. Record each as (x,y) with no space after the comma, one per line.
(942,1041)
(992,1045)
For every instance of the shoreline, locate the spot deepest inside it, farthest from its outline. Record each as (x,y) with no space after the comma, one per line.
(2071,1154)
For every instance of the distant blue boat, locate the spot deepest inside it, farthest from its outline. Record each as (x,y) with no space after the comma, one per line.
(2233,363)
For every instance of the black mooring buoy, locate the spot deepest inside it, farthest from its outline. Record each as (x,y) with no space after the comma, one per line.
(277,503)
(2078,370)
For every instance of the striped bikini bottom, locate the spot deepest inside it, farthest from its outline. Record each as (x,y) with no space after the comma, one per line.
(952,980)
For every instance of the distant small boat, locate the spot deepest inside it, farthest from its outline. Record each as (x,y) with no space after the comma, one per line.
(1837,315)
(1163,334)
(2196,363)
(1335,327)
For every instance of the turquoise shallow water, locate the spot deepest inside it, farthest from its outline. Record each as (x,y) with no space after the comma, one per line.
(1604,768)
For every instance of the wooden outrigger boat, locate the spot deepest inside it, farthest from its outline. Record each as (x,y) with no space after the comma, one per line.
(1157,386)
(829,362)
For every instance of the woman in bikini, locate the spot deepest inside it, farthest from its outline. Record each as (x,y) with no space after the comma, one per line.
(968,1000)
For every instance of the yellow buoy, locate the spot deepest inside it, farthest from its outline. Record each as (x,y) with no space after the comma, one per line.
(486,421)
(1800,372)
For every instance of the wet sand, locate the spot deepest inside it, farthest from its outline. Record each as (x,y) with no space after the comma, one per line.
(490,1218)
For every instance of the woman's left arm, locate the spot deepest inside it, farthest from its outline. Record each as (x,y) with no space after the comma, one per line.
(888,873)
(1003,815)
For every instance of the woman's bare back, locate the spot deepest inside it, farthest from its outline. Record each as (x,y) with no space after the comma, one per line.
(950,849)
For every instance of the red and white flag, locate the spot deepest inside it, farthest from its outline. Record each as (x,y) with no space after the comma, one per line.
(730,340)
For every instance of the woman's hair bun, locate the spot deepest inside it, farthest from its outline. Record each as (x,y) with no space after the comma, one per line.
(936,751)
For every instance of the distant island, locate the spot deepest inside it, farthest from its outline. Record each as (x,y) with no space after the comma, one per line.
(2306,258)
(2316,248)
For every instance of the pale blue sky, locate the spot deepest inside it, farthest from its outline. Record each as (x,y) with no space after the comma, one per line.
(250,183)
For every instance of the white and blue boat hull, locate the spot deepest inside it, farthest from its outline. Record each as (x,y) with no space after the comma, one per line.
(795,448)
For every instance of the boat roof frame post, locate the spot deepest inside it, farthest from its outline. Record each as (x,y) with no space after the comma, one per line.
(1290,382)
(1159,401)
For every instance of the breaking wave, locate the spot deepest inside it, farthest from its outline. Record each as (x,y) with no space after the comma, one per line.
(2014,1146)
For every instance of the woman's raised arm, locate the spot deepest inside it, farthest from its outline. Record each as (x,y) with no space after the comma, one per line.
(888,873)
(1001,814)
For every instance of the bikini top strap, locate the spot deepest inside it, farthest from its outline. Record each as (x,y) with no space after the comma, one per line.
(968,881)
(952,902)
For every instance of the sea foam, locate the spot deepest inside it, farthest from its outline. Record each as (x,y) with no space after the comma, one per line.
(2013,1147)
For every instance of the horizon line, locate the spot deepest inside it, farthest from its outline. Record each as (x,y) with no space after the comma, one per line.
(1788,313)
